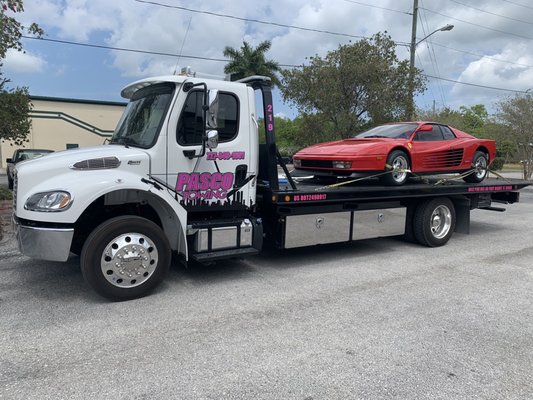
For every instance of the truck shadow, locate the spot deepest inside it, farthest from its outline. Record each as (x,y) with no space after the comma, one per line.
(288,258)
(199,273)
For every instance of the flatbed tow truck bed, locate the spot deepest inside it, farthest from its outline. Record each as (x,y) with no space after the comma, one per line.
(368,209)
(310,191)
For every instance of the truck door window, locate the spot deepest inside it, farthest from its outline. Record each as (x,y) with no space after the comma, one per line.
(191,125)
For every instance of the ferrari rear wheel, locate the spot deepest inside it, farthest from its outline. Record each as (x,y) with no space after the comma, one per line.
(399,162)
(479,164)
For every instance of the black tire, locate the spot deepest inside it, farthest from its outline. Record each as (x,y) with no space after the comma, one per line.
(479,164)
(9,182)
(398,160)
(434,222)
(125,257)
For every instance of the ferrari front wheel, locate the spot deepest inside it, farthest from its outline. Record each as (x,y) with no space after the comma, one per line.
(480,163)
(398,167)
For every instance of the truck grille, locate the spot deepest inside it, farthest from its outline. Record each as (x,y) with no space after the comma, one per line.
(97,163)
(15,184)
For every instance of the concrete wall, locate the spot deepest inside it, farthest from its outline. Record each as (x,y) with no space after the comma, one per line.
(57,123)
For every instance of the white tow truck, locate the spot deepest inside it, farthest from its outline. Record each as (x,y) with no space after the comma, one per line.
(185,173)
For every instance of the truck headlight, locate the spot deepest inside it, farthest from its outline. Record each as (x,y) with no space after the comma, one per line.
(49,201)
(297,163)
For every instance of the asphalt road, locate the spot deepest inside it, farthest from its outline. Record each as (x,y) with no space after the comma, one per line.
(378,319)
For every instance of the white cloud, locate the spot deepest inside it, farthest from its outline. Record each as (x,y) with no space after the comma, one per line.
(24,63)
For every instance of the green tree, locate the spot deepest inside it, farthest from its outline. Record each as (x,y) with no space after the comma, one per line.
(469,119)
(474,118)
(248,61)
(516,114)
(14,103)
(15,107)
(359,84)
(444,115)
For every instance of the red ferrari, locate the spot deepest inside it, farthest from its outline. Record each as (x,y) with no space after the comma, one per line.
(403,148)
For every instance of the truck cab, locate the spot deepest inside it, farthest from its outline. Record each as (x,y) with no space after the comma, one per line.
(179,174)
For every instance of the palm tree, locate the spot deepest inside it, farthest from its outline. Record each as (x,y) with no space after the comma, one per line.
(248,61)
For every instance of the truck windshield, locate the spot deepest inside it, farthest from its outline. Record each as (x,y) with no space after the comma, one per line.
(140,124)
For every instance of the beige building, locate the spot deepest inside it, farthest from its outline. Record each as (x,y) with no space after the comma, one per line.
(60,124)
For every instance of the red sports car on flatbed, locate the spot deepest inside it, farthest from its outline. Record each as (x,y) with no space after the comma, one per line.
(402,148)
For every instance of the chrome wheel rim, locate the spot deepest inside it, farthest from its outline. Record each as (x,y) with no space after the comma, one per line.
(481,167)
(441,222)
(129,260)
(399,165)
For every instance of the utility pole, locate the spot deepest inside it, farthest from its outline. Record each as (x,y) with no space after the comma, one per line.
(410,101)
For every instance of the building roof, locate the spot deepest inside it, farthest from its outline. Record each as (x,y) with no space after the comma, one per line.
(79,101)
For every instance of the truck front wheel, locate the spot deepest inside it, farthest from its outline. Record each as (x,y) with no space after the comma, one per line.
(125,257)
(434,222)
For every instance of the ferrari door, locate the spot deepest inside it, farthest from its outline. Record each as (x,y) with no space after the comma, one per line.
(430,151)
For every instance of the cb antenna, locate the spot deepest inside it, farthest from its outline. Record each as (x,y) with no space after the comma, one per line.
(183,44)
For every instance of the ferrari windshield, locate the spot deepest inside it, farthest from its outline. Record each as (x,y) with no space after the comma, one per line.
(144,116)
(391,131)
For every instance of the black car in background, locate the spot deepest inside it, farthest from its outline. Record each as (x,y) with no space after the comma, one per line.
(22,155)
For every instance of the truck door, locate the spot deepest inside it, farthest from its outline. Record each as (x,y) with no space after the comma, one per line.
(220,176)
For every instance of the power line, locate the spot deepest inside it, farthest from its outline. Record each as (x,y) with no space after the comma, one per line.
(478,25)
(432,56)
(381,8)
(250,19)
(476,85)
(99,46)
(226,60)
(491,13)
(518,4)
(156,53)
(482,55)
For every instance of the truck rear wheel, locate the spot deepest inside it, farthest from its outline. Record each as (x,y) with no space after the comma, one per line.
(125,257)
(434,222)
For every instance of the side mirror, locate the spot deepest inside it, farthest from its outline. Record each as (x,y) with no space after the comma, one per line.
(212,112)
(9,160)
(212,139)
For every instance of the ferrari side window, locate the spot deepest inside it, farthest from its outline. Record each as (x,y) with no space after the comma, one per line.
(447,133)
(429,136)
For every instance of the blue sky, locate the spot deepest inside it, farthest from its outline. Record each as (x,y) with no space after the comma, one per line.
(491,44)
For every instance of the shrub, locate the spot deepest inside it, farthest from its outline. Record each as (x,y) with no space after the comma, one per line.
(5,193)
(497,164)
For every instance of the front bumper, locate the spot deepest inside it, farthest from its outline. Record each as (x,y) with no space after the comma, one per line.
(51,244)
